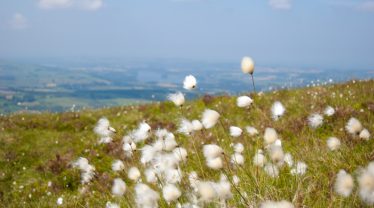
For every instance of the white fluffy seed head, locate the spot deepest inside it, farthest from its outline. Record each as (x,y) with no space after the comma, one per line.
(235,179)
(329,111)
(278,143)
(235,131)
(276,204)
(185,127)
(238,148)
(118,165)
(209,118)
(119,187)
(247,65)
(177,98)
(214,163)
(111,205)
(158,145)
(172,175)
(86,177)
(365,134)
(148,153)
(193,179)
(189,82)
(259,159)
(170,193)
(150,176)
(103,128)
(81,163)
(129,148)
(180,154)
(127,139)
(237,159)
(300,169)
(271,170)
(206,191)
(315,120)
(141,133)
(105,140)
(223,188)
(87,170)
(366,184)
(139,136)
(277,110)
(133,174)
(146,197)
(169,142)
(161,133)
(244,101)
(288,159)
(144,127)
(251,130)
(276,154)
(343,184)
(212,151)
(112,129)
(164,162)
(270,136)
(197,125)
(333,143)
(353,126)
(60,201)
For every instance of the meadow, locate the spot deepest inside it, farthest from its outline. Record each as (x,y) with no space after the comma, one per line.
(38,152)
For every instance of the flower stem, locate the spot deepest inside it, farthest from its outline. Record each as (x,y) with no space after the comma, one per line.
(253,83)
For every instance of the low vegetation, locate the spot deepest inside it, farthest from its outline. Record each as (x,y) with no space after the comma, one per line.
(37,151)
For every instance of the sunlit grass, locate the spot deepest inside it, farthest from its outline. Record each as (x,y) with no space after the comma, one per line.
(36,149)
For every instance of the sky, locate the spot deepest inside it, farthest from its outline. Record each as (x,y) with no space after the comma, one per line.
(303,33)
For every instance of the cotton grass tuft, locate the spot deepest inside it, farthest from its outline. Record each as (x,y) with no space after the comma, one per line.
(177,98)
(277,110)
(315,120)
(244,101)
(210,118)
(189,82)
(354,126)
(343,184)
(333,143)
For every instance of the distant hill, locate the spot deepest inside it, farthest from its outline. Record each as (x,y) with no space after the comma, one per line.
(59,87)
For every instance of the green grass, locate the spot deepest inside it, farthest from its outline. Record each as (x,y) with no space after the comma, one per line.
(38,148)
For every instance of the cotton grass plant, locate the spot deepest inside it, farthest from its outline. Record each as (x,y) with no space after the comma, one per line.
(214,155)
(248,67)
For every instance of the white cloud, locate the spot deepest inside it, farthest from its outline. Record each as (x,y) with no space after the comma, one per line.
(280,4)
(50,4)
(361,6)
(81,4)
(91,4)
(18,22)
(367,6)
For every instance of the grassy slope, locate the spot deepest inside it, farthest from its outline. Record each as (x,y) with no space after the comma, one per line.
(35,149)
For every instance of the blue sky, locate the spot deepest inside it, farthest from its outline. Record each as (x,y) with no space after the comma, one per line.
(320,33)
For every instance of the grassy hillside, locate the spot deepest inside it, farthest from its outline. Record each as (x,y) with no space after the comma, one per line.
(36,150)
